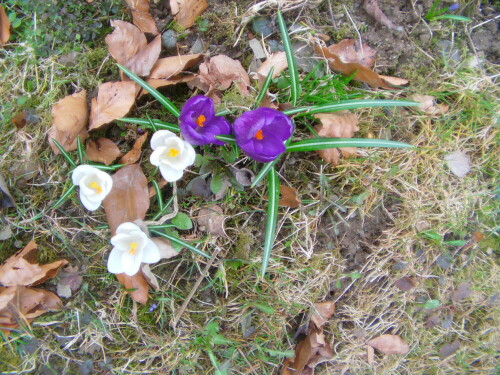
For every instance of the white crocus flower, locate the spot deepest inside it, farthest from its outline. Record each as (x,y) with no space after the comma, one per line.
(94,185)
(131,248)
(171,154)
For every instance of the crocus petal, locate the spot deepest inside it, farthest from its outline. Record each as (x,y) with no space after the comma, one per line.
(191,154)
(155,157)
(89,204)
(247,125)
(115,261)
(159,137)
(151,253)
(126,228)
(199,104)
(170,174)
(80,172)
(121,241)
(131,262)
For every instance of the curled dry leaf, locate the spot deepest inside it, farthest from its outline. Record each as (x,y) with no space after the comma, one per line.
(341,124)
(449,349)
(220,72)
(114,100)
(389,344)
(102,150)
(128,200)
(185,12)
(405,284)
(361,73)
(19,304)
(428,104)
(166,249)
(4,26)
(6,200)
(69,282)
(462,292)
(129,47)
(150,276)
(350,51)
(141,17)
(289,197)
(313,349)
(69,120)
(276,60)
(156,82)
(133,155)
(211,219)
(136,285)
(168,67)
(19,120)
(23,269)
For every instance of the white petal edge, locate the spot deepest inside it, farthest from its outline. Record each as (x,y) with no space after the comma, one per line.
(191,153)
(170,174)
(126,228)
(151,253)
(155,157)
(159,137)
(115,261)
(89,204)
(80,172)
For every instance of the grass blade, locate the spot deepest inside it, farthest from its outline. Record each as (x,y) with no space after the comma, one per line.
(65,153)
(108,167)
(264,88)
(64,197)
(454,17)
(226,138)
(349,104)
(159,198)
(272,218)
(180,242)
(290,58)
(264,171)
(322,143)
(156,94)
(145,122)
(80,149)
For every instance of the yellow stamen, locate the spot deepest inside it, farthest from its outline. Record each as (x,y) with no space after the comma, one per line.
(259,135)
(133,248)
(200,121)
(173,152)
(94,185)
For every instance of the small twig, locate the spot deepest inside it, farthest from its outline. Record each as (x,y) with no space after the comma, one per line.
(357,31)
(485,22)
(175,320)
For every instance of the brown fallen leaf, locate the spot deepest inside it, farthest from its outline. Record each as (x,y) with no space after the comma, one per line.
(428,104)
(405,283)
(128,200)
(4,26)
(289,197)
(370,355)
(185,12)
(136,285)
(361,73)
(114,100)
(220,72)
(341,124)
(129,47)
(141,17)
(168,67)
(389,344)
(156,83)
(350,51)
(166,249)
(102,150)
(313,349)
(69,282)
(23,269)
(373,9)
(133,155)
(19,120)
(20,305)
(211,220)
(69,120)
(276,60)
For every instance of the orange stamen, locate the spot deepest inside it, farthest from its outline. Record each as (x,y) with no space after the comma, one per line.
(173,152)
(133,248)
(94,185)
(259,135)
(200,121)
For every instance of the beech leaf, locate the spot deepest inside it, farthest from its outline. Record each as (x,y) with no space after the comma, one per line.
(289,197)
(69,120)
(138,283)
(125,41)
(23,269)
(350,51)
(211,220)
(276,60)
(168,67)
(102,150)
(167,251)
(133,155)
(142,62)
(19,303)
(114,100)
(186,12)
(141,17)
(4,26)
(389,344)
(128,200)
(428,104)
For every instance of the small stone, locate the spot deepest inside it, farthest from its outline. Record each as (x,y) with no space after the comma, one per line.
(198,47)
(263,26)
(68,59)
(257,49)
(169,39)
(459,163)
(398,266)
(443,261)
(274,46)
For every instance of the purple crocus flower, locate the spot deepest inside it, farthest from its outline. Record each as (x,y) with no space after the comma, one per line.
(261,133)
(454,7)
(198,122)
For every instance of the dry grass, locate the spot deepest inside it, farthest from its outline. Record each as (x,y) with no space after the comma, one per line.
(387,198)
